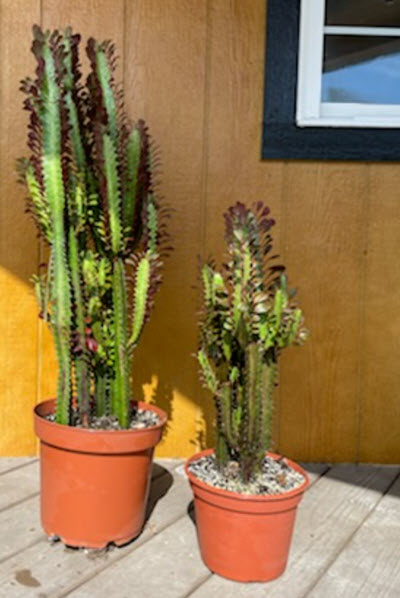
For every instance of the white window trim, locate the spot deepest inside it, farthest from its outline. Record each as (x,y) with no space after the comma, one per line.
(310,111)
(359,30)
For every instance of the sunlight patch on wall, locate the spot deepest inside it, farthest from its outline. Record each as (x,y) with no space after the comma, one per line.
(18,365)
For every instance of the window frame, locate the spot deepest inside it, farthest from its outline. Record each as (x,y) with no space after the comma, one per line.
(282,138)
(310,109)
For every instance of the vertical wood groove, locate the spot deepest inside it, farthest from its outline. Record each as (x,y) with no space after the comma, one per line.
(206,124)
(124,48)
(282,253)
(362,308)
(204,177)
(39,324)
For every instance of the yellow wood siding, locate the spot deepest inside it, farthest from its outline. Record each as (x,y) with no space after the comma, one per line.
(194,69)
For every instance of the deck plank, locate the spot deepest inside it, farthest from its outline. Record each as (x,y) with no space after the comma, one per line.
(329,514)
(9,463)
(19,484)
(58,570)
(168,566)
(369,565)
(20,527)
(343,519)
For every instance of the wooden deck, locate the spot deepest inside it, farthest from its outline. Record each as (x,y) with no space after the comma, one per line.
(346,543)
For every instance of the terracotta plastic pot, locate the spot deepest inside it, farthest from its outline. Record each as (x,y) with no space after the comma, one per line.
(94,483)
(244,537)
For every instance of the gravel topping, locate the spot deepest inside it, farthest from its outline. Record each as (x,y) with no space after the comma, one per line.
(276,476)
(142,418)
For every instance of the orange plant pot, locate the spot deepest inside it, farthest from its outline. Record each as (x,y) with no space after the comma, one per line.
(244,537)
(94,483)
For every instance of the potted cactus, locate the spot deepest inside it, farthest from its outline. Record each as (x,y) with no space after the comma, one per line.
(89,179)
(245,497)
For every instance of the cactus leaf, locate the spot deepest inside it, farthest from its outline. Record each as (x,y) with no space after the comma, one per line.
(113,192)
(208,372)
(121,391)
(141,291)
(53,183)
(131,176)
(104,75)
(294,328)
(278,307)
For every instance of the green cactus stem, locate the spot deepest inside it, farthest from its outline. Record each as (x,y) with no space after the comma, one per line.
(80,357)
(53,185)
(247,319)
(100,394)
(91,195)
(121,394)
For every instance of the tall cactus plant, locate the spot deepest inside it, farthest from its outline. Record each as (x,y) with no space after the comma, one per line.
(247,319)
(91,193)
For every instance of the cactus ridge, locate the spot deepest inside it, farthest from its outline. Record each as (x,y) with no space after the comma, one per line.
(92,197)
(248,317)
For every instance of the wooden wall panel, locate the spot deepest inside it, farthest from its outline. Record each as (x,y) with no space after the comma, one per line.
(98,18)
(194,70)
(18,245)
(323,242)
(164,82)
(380,385)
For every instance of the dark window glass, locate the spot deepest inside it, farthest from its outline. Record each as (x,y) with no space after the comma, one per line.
(369,13)
(361,69)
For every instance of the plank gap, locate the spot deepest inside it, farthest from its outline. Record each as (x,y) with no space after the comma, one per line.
(18,502)
(198,585)
(20,466)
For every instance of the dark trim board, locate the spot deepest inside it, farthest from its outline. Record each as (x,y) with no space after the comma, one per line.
(282,139)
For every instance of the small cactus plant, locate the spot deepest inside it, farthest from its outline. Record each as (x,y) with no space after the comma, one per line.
(247,319)
(91,194)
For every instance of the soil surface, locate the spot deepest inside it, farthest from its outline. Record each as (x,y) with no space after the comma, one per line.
(141,418)
(276,477)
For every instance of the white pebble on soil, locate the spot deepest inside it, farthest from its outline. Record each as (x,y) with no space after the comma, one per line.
(143,418)
(276,476)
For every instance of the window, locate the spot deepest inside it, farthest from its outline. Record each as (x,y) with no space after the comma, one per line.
(349,63)
(332,80)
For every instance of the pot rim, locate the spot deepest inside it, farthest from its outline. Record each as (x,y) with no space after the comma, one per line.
(247,497)
(47,406)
